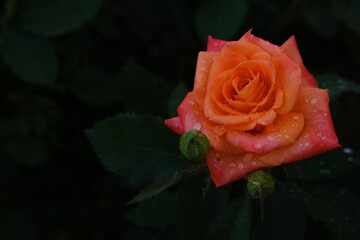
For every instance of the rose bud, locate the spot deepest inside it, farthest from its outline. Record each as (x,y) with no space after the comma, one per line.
(194,145)
(260,184)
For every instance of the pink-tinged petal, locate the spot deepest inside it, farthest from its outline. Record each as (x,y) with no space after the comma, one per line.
(284,131)
(203,66)
(175,125)
(192,117)
(292,51)
(318,135)
(288,76)
(215,45)
(226,168)
(266,45)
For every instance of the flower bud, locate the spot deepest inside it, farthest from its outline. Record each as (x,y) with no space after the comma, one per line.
(260,184)
(194,145)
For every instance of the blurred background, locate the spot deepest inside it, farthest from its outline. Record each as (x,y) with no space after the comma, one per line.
(65,65)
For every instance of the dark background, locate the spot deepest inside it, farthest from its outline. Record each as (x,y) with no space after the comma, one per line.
(68,64)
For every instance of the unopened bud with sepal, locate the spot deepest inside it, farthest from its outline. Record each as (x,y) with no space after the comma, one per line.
(260,184)
(194,145)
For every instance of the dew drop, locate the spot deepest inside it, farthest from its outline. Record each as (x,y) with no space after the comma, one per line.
(348,151)
(232,165)
(295,117)
(241,166)
(254,163)
(325,114)
(307,144)
(270,138)
(314,100)
(258,145)
(323,138)
(286,136)
(197,126)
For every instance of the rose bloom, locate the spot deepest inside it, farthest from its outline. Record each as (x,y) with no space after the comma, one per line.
(257,104)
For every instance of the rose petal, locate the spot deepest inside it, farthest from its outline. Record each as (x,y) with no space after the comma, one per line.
(292,51)
(175,125)
(215,45)
(203,66)
(318,135)
(284,131)
(266,45)
(241,47)
(225,168)
(288,76)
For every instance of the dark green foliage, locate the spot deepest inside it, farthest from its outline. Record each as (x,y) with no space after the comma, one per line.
(68,168)
(234,221)
(56,17)
(30,58)
(140,156)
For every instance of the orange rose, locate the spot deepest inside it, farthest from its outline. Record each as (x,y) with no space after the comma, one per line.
(258,105)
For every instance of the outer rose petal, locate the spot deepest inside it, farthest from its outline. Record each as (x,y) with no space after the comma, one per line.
(215,45)
(225,168)
(175,125)
(288,74)
(292,51)
(284,132)
(203,66)
(318,135)
(266,45)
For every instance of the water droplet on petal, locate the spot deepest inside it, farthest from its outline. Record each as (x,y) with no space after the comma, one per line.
(258,145)
(232,164)
(270,138)
(254,163)
(241,166)
(314,100)
(286,136)
(295,117)
(197,126)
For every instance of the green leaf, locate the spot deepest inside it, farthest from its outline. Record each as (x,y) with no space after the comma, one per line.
(336,85)
(56,17)
(142,91)
(234,221)
(141,150)
(220,19)
(31,59)
(195,213)
(336,207)
(95,86)
(176,97)
(332,164)
(164,184)
(157,212)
